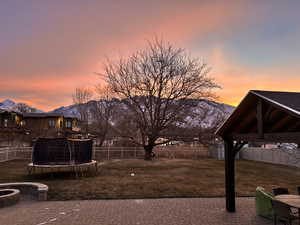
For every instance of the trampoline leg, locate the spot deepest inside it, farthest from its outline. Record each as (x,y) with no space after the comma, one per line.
(80,171)
(88,171)
(96,168)
(29,170)
(75,170)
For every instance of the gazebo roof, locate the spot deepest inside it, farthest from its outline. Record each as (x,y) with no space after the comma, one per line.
(287,100)
(264,116)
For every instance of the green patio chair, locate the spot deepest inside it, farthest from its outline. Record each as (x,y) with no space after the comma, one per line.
(263,203)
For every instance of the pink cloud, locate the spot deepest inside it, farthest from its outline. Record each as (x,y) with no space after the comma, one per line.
(46,68)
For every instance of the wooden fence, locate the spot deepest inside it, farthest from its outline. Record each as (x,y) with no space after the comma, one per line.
(109,153)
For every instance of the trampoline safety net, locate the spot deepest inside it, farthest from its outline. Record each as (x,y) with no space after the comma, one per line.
(62,151)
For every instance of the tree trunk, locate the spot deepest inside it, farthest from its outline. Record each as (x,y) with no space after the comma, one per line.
(148,152)
(102,138)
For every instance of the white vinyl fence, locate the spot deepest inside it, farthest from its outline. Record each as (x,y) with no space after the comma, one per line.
(274,155)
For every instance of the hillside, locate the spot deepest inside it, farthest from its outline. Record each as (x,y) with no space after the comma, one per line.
(204,112)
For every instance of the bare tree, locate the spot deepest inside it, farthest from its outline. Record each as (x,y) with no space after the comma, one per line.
(81,97)
(102,112)
(202,123)
(206,134)
(155,84)
(23,108)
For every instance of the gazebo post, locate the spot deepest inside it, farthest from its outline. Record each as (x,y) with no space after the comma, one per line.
(229,175)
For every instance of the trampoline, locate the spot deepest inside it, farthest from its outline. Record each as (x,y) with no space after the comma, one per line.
(56,153)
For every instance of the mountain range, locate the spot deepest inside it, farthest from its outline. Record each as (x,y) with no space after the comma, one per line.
(10,105)
(212,109)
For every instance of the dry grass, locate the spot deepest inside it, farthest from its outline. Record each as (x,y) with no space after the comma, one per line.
(161,178)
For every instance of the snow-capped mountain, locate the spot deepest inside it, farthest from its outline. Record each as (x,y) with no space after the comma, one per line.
(69,111)
(10,105)
(204,112)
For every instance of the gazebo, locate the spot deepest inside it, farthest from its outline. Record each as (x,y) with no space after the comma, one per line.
(262,116)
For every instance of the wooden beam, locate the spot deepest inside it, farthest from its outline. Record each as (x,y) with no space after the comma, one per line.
(295,126)
(273,117)
(269,109)
(229,175)
(259,117)
(268,137)
(243,113)
(283,109)
(280,124)
(246,123)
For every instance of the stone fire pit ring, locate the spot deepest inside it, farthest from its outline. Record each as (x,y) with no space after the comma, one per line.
(9,197)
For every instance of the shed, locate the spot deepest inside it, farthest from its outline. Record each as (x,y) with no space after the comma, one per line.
(262,116)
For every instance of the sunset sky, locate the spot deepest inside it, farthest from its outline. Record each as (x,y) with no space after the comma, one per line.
(48,48)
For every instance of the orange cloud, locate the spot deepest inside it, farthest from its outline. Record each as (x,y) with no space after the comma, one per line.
(237,80)
(70,45)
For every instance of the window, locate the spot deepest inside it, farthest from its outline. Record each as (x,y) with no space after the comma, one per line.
(51,123)
(68,124)
(60,123)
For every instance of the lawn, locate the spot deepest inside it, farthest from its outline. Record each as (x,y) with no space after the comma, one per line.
(159,178)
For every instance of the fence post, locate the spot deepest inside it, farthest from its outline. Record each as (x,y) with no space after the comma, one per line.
(122,153)
(94,152)
(108,153)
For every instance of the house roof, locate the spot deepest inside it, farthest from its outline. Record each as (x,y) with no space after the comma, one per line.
(7,111)
(41,115)
(71,117)
(280,113)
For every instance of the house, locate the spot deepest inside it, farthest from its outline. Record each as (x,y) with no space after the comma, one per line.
(11,130)
(71,123)
(10,119)
(48,124)
(19,129)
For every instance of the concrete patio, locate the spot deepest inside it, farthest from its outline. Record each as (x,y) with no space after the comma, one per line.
(208,211)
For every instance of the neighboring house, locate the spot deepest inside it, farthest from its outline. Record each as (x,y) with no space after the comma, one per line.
(71,123)
(49,124)
(11,130)
(21,128)
(10,119)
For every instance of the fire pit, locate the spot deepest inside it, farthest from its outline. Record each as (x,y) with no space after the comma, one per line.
(9,197)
